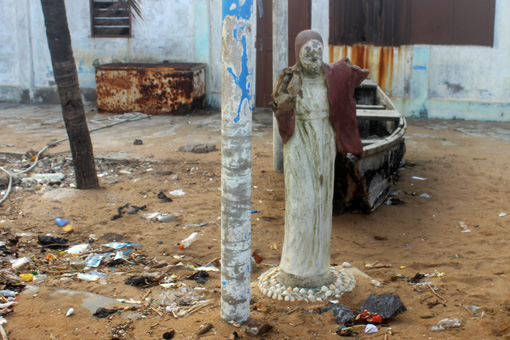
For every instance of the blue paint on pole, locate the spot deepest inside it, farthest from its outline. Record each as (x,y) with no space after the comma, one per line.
(233,8)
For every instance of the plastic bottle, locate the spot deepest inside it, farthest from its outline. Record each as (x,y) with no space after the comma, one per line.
(188,241)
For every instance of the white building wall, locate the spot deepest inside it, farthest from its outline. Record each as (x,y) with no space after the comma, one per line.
(170,30)
(470,82)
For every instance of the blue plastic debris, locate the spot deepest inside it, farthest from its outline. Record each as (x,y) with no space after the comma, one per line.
(118,245)
(61,222)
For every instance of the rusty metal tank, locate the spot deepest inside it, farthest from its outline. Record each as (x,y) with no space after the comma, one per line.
(159,88)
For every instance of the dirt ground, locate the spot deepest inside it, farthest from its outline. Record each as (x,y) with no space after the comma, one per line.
(466,166)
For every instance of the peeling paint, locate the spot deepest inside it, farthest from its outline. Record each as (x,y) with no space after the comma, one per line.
(237,59)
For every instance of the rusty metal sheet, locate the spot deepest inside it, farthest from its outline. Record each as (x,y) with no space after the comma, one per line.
(404,22)
(150,88)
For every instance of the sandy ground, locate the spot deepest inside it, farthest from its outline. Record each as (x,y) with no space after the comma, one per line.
(466,166)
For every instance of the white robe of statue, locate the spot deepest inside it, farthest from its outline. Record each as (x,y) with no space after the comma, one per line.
(309,160)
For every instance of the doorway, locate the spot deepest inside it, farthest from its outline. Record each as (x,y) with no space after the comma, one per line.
(299,19)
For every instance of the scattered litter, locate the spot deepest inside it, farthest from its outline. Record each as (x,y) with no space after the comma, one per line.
(256,256)
(68,229)
(273,246)
(205,328)
(424,195)
(48,177)
(419,178)
(446,323)
(188,241)
(52,242)
(78,249)
(167,218)
(386,305)
(17,263)
(199,277)
(255,211)
(94,260)
(367,316)
(436,274)
(115,262)
(8,293)
(163,197)
(7,304)
(134,209)
(503,214)
(394,201)
(168,285)
(26,277)
(119,245)
(91,276)
(369,329)
(130,301)
(464,227)
(208,268)
(201,224)
(402,267)
(104,312)
(120,212)
(376,265)
(70,312)
(177,192)
(160,217)
(61,222)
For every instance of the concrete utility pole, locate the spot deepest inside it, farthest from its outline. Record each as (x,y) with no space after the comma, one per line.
(280,61)
(236,124)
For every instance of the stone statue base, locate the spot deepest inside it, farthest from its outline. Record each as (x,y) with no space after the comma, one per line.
(270,285)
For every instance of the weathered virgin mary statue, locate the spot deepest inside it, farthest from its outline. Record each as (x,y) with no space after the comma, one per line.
(316,113)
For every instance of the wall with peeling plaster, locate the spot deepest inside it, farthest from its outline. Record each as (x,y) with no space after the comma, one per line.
(177,31)
(465,82)
(462,82)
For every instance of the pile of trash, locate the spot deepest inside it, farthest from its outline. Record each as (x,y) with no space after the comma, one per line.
(376,310)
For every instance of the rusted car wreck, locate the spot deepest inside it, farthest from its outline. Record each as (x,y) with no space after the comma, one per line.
(362,183)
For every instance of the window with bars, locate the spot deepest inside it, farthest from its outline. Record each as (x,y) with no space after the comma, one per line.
(110,19)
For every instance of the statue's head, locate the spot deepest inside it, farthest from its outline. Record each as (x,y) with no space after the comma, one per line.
(309,49)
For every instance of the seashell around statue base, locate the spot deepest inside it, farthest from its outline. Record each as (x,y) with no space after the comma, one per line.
(270,286)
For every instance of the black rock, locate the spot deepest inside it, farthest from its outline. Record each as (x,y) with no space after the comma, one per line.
(256,328)
(104,312)
(169,335)
(342,314)
(387,305)
(134,209)
(163,197)
(139,281)
(199,277)
(138,142)
(417,278)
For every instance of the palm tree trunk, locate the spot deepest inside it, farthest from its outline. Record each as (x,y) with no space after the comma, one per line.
(66,77)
